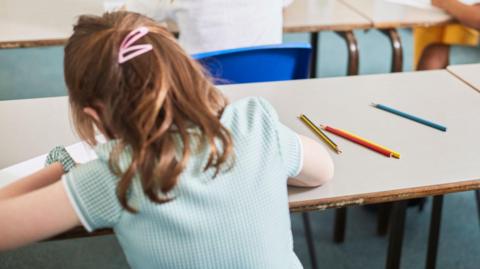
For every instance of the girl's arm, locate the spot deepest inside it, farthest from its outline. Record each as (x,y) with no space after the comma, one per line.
(35,216)
(40,179)
(317,165)
(469,15)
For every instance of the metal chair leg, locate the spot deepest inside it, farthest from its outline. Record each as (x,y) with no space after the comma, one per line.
(353,55)
(397,50)
(397,227)
(309,238)
(340,225)
(434,233)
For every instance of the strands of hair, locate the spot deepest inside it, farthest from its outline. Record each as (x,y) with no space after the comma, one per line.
(144,103)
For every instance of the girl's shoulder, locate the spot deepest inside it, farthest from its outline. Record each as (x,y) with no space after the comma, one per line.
(249,112)
(252,122)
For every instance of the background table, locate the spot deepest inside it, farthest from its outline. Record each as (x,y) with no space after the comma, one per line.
(469,73)
(314,16)
(42,25)
(39,23)
(322,15)
(388,16)
(385,14)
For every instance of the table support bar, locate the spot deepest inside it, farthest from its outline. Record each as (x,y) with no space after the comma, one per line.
(397,227)
(434,234)
(309,238)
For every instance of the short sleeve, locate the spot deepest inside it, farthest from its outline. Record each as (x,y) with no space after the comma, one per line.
(91,188)
(156,9)
(289,143)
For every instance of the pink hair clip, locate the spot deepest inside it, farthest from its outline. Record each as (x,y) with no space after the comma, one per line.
(127,51)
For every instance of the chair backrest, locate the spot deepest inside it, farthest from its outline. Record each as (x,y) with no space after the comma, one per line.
(258,64)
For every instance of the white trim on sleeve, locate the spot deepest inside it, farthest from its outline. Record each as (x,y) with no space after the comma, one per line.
(75,206)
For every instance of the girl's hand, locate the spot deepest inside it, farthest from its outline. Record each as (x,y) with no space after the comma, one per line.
(59,154)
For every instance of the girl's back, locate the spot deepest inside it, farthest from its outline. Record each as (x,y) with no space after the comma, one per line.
(239,219)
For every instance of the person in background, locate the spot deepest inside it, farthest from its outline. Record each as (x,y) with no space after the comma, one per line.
(210,25)
(186,179)
(433,44)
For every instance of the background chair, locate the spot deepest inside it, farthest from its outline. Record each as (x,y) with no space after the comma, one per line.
(261,64)
(258,64)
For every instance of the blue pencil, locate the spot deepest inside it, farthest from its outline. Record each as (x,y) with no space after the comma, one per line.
(411,117)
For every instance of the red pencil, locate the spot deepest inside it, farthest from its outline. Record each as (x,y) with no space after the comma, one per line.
(358,141)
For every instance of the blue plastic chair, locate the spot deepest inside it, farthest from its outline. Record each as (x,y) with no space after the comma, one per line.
(258,64)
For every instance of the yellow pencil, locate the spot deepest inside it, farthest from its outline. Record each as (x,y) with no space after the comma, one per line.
(394,153)
(320,133)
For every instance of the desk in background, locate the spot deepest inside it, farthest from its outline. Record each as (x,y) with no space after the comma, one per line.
(469,73)
(314,16)
(387,16)
(40,25)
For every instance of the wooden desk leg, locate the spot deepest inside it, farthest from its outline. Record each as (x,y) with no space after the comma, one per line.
(309,238)
(397,226)
(353,55)
(434,233)
(397,50)
(313,63)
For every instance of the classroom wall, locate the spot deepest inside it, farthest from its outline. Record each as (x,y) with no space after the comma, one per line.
(31,73)
(37,72)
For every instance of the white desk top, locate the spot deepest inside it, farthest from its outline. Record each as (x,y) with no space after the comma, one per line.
(432,162)
(32,127)
(386,14)
(321,15)
(429,157)
(469,73)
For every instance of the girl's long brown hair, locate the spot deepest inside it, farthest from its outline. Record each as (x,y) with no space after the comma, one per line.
(143,103)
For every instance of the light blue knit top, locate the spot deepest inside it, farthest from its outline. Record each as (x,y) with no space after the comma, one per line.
(240,219)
